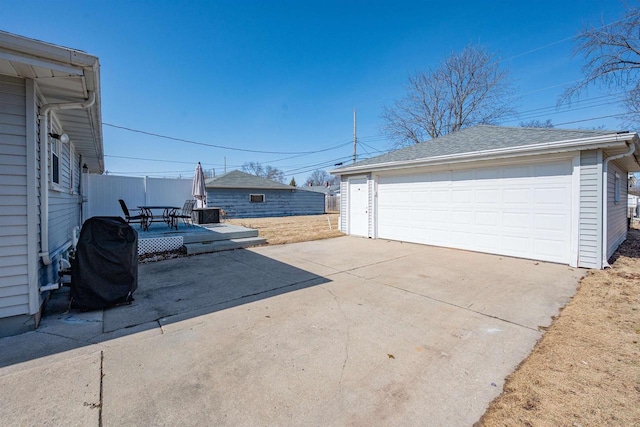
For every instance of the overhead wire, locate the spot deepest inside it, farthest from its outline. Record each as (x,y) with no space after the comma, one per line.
(222,147)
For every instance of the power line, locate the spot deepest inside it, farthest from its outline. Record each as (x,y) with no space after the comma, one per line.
(592,118)
(222,147)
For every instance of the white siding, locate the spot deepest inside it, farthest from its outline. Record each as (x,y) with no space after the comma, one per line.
(14,292)
(64,209)
(344,196)
(616,211)
(589,246)
(371,202)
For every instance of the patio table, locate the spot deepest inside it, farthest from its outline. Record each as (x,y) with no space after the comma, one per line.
(164,216)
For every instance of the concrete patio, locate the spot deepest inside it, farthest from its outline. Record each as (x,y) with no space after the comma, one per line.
(345,331)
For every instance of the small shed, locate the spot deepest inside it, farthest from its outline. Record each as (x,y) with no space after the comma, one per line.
(242,195)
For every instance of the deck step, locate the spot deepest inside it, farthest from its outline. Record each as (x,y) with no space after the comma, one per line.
(222,245)
(220,234)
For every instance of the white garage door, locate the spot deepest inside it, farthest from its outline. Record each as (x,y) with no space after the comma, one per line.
(522,211)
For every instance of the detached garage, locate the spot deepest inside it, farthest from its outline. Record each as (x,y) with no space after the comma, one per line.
(529,193)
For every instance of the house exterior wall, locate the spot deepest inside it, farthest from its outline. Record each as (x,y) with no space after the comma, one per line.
(616,210)
(64,208)
(590,225)
(237,204)
(14,280)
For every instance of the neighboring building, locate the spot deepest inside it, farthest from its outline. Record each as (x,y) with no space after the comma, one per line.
(45,91)
(329,190)
(632,204)
(545,194)
(242,195)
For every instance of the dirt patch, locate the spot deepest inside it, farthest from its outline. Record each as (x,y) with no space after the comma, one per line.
(292,229)
(585,371)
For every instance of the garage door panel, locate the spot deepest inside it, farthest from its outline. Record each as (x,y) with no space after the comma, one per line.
(516,220)
(486,218)
(516,196)
(439,196)
(548,195)
(460,218)
(519,211)
(548,247)
(517,244)
(549,222)
(487,196)
(461,195)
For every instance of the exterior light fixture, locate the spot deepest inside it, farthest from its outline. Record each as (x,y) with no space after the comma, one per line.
(85,168)
(64,138)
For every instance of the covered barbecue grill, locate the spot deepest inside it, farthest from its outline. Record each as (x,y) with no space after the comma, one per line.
(105,269)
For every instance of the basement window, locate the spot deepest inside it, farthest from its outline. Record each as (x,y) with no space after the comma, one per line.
(617,185)
(256,198)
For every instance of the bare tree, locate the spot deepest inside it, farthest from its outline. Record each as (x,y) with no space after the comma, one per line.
(253,168)
(612,55)
(320,177)
(268,172)
(466,89)
(274,174)
(535,123)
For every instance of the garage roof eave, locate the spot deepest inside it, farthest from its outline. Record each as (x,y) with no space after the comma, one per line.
(606,141)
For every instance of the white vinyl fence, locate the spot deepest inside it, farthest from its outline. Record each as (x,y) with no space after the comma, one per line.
(103,191)
(332,204)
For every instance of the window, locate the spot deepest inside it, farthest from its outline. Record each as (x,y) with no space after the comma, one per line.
(256,198)
(55,161)
(616,193)
(72,170)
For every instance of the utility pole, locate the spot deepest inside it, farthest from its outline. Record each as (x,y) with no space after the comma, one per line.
(355,138)
(225,164)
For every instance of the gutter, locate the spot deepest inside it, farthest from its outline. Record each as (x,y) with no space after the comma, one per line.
(605,201)
(44,168)
(604,141)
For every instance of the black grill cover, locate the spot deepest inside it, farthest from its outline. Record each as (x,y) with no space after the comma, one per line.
(105,269)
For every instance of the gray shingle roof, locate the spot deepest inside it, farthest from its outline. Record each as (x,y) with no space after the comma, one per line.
(479,138)
(238,179)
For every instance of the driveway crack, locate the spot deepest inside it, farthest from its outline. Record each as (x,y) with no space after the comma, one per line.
(100,404)
(346,344)
(461,307)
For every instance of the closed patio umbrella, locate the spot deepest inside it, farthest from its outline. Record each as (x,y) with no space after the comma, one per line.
(199,191)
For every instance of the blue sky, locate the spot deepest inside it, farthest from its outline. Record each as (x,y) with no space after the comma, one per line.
(285,76)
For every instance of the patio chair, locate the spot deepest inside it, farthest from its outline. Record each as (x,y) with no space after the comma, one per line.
(184,214)
(141,219)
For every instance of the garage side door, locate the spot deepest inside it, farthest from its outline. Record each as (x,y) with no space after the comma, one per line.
(522,211)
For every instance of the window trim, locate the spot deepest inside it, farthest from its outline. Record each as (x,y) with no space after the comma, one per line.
(55,148)
(72,169)
(261,196)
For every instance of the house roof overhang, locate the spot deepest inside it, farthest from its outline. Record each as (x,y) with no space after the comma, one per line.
(62,75)
(612,144)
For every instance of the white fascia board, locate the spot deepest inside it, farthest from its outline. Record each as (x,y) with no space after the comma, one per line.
(39,62)
(605,141)
(46,50)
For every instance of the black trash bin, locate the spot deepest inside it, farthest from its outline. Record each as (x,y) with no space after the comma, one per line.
(105,270)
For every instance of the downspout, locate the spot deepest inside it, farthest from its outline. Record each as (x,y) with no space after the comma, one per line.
(605,201)
(44,168)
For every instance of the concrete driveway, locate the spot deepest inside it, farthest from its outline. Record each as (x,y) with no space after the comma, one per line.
(346,331)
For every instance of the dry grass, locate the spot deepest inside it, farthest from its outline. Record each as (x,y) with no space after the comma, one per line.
(585,371)
(292,229)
